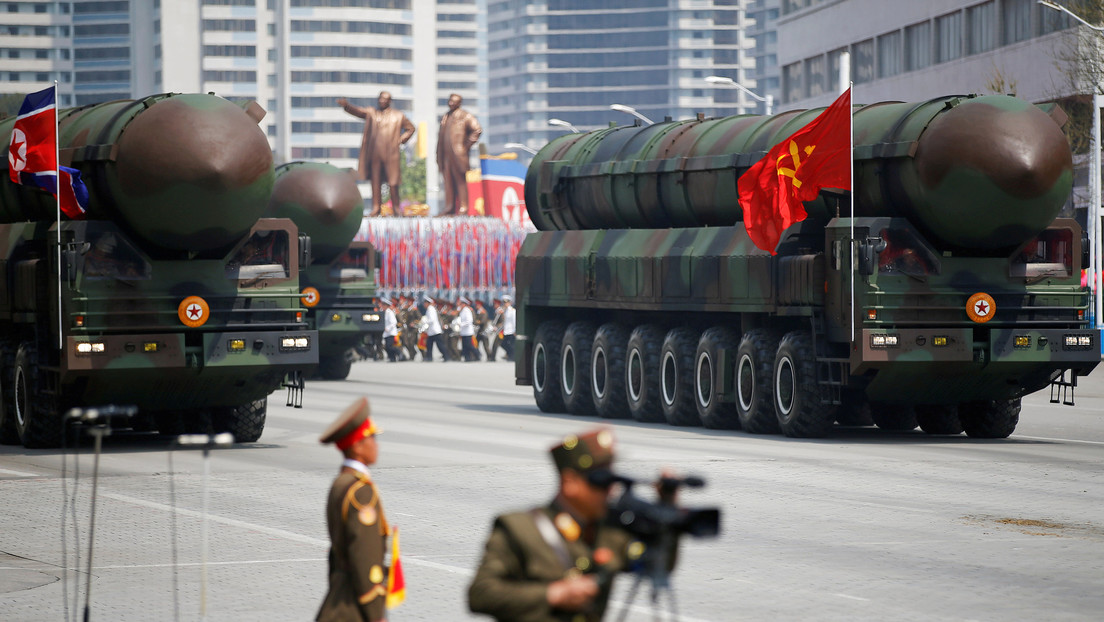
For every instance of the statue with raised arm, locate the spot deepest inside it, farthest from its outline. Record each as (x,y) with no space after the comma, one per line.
(459,131)
(385,130)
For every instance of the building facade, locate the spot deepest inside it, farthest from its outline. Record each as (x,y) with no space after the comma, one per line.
(571,59)
(912,51)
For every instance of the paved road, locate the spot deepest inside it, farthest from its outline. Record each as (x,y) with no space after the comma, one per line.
(864,525)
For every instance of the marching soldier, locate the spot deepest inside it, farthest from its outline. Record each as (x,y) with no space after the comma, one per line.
(356,522)
(556,562)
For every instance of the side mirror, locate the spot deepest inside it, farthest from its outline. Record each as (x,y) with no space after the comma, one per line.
(304,251)
(868,254)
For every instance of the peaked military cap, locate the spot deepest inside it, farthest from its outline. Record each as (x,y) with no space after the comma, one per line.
(385,300)
(353,424)
(507,298)
(585,453)
(464,301)
(428,300)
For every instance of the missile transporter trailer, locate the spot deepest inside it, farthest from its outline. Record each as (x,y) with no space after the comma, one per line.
(951,292)
(339,286)
(172,295)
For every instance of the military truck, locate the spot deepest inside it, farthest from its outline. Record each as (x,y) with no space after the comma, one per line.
(949,290)
(339,286)
(172,295)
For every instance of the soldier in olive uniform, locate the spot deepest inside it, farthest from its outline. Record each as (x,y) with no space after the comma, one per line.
(358,528)
(555,563)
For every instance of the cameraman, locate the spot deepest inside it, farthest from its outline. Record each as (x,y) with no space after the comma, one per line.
(557,562)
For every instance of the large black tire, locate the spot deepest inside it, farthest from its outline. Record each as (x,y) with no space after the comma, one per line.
(607,371)
(893,417)
(753,382)
(676,376)
(938,418)
(642,373)
(708,373)
(37,420)
(575,368)
(9,434)
(334,367)
(990,418)
(797,395)
(245,422)
(546,361)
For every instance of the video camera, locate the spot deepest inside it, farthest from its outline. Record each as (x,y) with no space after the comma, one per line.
(648,521)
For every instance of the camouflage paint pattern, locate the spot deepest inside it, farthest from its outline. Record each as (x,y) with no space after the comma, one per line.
(188,172)
(953,197)
(177,186)
(325,203)
(972,172)
(191,367)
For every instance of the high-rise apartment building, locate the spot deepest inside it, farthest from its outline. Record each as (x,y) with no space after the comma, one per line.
(571,59)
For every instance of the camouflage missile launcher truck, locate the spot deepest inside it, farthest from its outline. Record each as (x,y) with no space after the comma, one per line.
(952,292)
(339,286)
(172,295)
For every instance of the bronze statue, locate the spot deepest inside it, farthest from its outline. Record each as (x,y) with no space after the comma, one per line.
(385,129)
(459,131)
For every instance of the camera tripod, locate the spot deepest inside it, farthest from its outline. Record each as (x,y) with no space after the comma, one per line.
(655,564)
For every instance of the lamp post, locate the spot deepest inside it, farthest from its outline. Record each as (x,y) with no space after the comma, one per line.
(632,111)
(768,100)
(1092,217)
(563,124)
(524,148)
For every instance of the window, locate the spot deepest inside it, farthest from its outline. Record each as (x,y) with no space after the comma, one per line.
(889,54)
(814,76)
(792,87)
(1016,17)
(862,61)
(981,23)
(948,34)
(918,46)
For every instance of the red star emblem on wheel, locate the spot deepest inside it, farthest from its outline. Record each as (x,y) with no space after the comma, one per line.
(195,311)
(981,308)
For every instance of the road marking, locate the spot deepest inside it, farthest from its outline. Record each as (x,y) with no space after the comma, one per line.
(295,537)
(18,473)
(853,597)
(1057,440)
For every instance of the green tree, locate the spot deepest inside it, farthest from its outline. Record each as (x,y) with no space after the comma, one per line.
(413,180)
(1080,60)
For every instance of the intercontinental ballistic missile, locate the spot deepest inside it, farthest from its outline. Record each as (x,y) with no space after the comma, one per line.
(972,172)
(188,172)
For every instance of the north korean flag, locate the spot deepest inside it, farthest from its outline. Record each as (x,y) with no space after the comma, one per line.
(32,154)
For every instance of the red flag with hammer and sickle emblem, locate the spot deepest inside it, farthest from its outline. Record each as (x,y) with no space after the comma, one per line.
(793,171)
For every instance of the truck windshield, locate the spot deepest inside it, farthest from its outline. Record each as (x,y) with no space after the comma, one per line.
(110,256)
(263,256)
(906,254)
(1050,254)
(351,266)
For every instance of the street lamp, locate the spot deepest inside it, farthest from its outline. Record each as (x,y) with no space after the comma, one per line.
(563,124)
(632,111)
(1092,217)
(524,148)
(768,101)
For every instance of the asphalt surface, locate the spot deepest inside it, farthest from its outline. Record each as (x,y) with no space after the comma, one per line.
(863,525)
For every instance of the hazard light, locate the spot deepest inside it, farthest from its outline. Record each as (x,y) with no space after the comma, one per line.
(90,347)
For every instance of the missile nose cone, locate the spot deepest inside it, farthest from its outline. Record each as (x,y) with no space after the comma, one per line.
(205,160)
(323,201)
(994,159)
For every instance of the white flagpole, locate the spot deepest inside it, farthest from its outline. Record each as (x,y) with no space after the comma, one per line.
(57,195)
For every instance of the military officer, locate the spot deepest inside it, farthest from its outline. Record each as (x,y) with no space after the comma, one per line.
(556,562)
(357,525)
